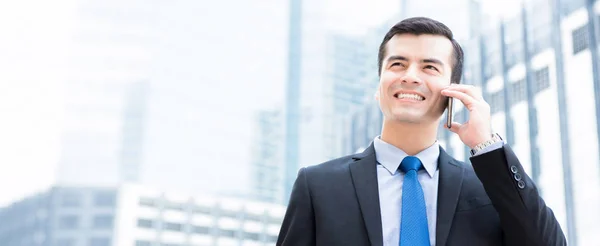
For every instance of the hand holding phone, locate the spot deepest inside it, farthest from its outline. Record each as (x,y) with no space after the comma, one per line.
(477,128)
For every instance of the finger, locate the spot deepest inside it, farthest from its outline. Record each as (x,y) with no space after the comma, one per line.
(454,127)
(470,90)
(467,100)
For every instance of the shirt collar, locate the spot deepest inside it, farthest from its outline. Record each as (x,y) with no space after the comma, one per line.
(390,156)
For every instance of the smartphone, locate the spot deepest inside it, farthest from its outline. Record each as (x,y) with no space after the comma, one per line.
(449,115)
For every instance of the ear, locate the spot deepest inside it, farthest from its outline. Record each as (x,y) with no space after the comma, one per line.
(377,94)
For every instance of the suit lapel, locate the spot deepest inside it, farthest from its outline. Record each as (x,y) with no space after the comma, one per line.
(364,177)
(450,182)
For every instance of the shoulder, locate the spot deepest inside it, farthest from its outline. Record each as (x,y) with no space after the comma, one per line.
(330,166)
(338,169)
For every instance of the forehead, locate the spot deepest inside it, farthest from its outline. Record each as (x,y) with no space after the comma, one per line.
(416,47)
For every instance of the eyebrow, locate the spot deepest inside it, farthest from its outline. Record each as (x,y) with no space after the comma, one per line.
(428,60)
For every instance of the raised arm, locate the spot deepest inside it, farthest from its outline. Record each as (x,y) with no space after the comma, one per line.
(524,216)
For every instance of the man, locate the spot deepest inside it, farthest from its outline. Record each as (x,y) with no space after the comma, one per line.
(404,189)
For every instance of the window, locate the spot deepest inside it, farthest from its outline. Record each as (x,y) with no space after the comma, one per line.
(173,227)
(105,199)
(518,91)
(539,20)
(142,243)
(252,236)
(147,202)
(568,7)
(201,230)
(254,217)
(272,238)
(275,220)
(71,199)
(226,233)
(492,68)
(175,206)
(542,80)
(580,39)
(99,241)
(514,53)
(540,40)
(497,102)
(64,242)
(229,213)
(145,223)
(68,222)
(103,222)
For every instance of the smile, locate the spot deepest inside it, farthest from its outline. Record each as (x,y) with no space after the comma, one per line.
(409,96)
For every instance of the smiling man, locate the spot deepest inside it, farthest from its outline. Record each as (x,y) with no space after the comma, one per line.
(404,189)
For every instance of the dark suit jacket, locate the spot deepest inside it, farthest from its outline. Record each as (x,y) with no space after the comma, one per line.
(492,202)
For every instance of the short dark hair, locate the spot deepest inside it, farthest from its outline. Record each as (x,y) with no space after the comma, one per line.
(424,25)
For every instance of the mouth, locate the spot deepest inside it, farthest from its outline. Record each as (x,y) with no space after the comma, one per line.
(409,96)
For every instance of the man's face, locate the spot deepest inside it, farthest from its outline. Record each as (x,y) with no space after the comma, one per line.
(414,71)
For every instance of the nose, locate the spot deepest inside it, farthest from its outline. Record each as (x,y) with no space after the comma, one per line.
(411,75)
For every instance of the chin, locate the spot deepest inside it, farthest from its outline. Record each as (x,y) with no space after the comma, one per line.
(411,118)
(408,120)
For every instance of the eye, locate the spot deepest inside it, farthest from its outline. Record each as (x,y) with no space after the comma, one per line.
(396,64)
(431,67)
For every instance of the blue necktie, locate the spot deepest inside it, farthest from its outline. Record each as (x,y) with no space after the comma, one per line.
(413,226)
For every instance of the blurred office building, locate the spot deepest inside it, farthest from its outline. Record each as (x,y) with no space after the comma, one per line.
(136,101)
(106,93)
(324,71)
(540,75)
(137,216)
(267,160)
(331,88)
(326,101)
(348,91)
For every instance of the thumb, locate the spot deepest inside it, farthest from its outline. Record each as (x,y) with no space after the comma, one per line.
(455,127)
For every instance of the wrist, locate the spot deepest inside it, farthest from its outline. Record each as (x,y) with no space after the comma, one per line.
(492,139)
(480,141)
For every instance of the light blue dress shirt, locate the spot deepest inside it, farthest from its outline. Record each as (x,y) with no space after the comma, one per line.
(390,181)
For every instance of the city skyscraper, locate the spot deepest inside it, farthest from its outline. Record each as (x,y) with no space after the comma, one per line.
(267,157)
(142,101)
(348,90)
(110,54)
(292,95)
(321,69)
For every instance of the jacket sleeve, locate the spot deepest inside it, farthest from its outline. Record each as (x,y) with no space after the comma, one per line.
(298,227)
(524,216)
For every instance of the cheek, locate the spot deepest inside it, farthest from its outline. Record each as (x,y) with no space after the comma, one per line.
(384,83)
(436,94)
(437,85)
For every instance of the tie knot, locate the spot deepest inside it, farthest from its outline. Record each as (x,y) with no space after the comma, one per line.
(410,163)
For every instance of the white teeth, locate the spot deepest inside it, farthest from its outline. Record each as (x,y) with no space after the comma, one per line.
(409,96)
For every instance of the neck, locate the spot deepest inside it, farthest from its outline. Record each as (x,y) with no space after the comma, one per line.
(410,138)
